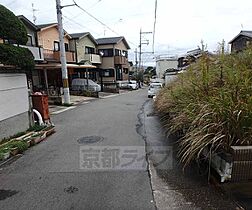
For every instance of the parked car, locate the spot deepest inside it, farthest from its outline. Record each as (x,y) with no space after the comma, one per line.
(84,84)
(154,88)
(123,84)
(133,85)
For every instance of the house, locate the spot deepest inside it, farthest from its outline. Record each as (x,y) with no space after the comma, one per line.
(32,43)
(114,52)
(241,41)
(164,63)
(191,56)
(86,52)
(49,76)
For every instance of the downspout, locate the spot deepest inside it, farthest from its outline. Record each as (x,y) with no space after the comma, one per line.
(75,48)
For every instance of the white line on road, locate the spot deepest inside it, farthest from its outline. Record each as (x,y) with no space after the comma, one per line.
(110,96)
(63,110)
(85,102)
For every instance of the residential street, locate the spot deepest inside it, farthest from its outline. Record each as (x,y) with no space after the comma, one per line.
(49,175)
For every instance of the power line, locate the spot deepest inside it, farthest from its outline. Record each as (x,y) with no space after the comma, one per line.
(95,18)
(81,8)
(82,26)
(95,4)
(154,27)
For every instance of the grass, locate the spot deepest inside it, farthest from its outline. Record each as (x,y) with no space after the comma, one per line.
(210,104)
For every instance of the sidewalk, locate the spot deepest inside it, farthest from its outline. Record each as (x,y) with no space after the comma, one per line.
(77,100)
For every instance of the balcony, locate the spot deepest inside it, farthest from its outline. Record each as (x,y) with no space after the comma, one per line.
(36,51)
(93,58)
(51,55)
(121,60)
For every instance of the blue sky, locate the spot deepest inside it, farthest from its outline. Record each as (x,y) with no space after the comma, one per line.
(181,24)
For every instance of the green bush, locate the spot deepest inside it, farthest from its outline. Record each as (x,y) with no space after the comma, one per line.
(211,104)
(11,28)
(17,56)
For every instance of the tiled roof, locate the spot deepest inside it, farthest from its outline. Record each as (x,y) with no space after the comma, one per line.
(112,40)
(109,40)
(78,35)
(28,22)
(45,25)
(242,33)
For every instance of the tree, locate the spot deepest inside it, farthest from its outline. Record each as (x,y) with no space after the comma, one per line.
(150,71)
(13,30)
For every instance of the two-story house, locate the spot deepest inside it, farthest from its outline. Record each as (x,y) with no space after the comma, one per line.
(50,71)
(114,52)
(32,45)
(241,41)
(86,52)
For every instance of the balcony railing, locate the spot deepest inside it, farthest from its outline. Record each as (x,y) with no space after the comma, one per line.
(93,58)
(36,51)
(121,60)
(51,55)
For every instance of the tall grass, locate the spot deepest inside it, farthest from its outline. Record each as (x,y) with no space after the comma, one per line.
(211,104)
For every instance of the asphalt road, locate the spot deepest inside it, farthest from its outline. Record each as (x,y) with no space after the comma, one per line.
(49,176)
(67,171)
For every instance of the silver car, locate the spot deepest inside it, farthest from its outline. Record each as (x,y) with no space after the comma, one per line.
(84,84)
(153,89)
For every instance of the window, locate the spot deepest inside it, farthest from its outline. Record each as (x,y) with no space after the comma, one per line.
(119,75)
(89,50)
(125,71)
(125,53)
(29,42)
(106,52)
(56,46)
(108,73)
(117,52)
(66,47)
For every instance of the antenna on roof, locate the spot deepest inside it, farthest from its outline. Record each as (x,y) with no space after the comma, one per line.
(33,14)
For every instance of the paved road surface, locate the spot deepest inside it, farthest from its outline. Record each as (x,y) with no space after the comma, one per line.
(48,176)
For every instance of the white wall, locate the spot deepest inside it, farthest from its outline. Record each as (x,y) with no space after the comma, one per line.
(164,64)
(13,95)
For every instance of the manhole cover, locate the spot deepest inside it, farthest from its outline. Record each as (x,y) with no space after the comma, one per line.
(89,139)
(71,189)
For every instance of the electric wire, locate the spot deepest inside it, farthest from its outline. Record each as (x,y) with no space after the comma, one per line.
(106,26)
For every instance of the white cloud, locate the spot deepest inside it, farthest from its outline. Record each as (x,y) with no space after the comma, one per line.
(180,24)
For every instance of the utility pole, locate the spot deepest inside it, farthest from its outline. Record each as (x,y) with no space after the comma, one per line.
(140,49)
(63,53)
(136,59)
(140,46)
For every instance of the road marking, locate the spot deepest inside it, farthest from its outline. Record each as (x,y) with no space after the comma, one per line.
(110,96)
(85,102)
(63,110)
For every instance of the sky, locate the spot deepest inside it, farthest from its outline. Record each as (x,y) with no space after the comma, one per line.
(180,24)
